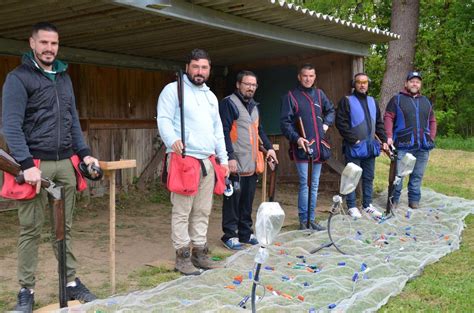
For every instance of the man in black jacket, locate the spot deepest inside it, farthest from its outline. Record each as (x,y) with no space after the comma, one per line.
(359,123)
(42,131)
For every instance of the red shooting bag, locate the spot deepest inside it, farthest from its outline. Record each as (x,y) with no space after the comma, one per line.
(183,174)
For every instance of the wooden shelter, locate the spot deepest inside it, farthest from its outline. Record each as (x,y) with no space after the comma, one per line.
(123,52)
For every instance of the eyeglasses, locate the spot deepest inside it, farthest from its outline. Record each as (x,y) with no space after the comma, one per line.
(250,85)
(362,81)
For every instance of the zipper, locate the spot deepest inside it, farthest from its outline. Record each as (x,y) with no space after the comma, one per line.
(59,120)
(316,129)
(417,114)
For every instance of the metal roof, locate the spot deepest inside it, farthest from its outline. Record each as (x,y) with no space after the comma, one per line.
(123,32)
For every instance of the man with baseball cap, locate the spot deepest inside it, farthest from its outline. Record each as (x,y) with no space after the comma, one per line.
(410,125)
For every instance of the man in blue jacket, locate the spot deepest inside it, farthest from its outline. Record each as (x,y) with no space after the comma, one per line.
(317,114)
(359,122)
(40,123)
(410,124)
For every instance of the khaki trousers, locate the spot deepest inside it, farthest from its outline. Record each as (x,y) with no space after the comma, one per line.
(190,214)
(31,214)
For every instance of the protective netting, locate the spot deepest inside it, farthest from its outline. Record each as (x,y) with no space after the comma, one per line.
(383,257)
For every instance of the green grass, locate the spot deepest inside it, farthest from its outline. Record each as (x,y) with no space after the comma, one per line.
(456,143)
(448,285)
(153,276)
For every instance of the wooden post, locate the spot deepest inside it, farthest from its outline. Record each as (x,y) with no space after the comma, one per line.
(109,169)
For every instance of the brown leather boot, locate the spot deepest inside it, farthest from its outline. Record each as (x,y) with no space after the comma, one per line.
(183,262)
(200,258)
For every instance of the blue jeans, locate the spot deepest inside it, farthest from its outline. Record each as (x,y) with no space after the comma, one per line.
(416,177)
(302,169)
(368,169)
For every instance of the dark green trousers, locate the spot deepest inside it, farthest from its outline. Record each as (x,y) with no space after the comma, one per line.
(31,214)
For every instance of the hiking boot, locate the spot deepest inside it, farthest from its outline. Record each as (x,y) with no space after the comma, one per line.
(252,240)
(200,258)
(354,212)
(233,244)
(373,212)
(414,205)
(184,264)
(80,292)
(316,226)
(26,301)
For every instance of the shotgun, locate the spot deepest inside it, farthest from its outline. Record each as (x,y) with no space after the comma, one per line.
(273,168)
(179,81)
(392,174)
(391,179)
(9,165)
(309,153)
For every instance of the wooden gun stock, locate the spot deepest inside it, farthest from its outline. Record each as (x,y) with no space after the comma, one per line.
(8,164)
(391,179)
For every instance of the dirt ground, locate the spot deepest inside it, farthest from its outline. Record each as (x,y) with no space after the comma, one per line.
(142,239)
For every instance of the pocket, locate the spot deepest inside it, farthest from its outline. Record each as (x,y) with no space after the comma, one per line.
(428,143)
(358,150)
(260,166)
(324,150)
(405,138)
(375,145)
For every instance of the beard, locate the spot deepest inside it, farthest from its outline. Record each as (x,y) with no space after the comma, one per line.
(195,81)
(247,95)
(43,61)
(414,90)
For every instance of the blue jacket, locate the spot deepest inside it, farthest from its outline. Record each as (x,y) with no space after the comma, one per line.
(358,118)
(412,121)
(315,109)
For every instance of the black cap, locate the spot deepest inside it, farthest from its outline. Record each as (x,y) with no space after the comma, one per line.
(414,74)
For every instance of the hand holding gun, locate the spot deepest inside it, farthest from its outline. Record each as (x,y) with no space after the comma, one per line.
(9,165)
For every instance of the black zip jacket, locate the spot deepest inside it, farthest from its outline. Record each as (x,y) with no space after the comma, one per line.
(39,117)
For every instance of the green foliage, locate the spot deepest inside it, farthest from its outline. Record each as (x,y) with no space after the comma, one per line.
(443,53)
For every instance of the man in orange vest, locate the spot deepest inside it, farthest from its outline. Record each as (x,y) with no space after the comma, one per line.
(242,130)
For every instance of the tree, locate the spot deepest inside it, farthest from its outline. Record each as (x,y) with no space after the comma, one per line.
(401,52)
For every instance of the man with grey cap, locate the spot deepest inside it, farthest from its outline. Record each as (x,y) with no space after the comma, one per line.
(410,125)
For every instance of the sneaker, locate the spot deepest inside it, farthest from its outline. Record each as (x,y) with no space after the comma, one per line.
(414,205)
(373,212)
(233,244)
(26,301)
(316,226)
(354,212)
(303,226)
(80,292)
(252,241)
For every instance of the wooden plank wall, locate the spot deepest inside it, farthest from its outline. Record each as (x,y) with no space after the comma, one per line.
(117,107)
(334,72)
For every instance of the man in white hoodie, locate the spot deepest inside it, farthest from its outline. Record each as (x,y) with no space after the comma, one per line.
(203,137)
